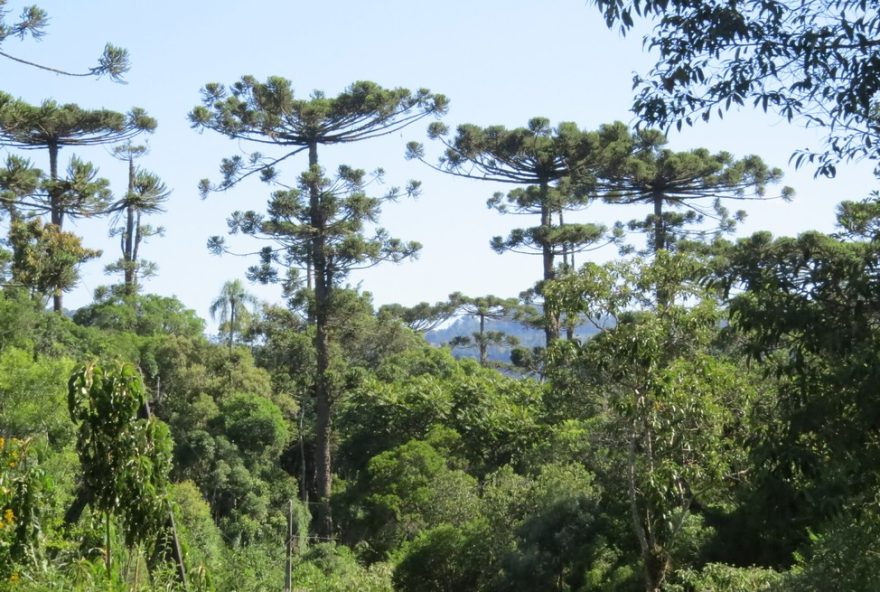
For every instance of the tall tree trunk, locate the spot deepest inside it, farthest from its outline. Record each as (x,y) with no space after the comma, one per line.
(568,264)
(130,229)
(303,485)
(484,353)
(551,318)
(323,287)
(660,243)
(135,278)
(56,211)
(659,226)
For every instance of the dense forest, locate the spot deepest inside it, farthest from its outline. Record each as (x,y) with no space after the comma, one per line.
(698,414)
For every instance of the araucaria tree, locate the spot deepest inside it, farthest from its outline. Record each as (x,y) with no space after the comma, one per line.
(146,195)
(486,308)
(321,224)
(695,183)
(542,160)
(51,127)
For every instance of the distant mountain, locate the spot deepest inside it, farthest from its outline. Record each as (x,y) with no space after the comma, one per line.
(528,337)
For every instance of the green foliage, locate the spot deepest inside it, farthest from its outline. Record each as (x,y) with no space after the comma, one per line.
(51,123)
(204,548)
(717,577)
(188,367)
(494,417)
(23,497)
(383,415)
(842,557)
(19,180)
(255,425)
(332,568)
(254,110)
(230,308)
(809,61)
(146,195)
(325,225)
(125,460)
(684,447)
(553,538)
(422,317)
(346,211)
(639,170)
(81,193)
(537,532)
(25,325)
(32,396)
(670,412)
(808,315)
(412,488)
(441,559)
(147,315)
(860,220)
(229,431)
(417,361)
(45,259)
(488,308)
(497,418)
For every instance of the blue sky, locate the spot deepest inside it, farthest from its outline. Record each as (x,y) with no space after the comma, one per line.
(499,62)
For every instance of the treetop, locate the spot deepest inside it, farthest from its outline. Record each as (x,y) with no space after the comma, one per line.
(27,126)
(537,153)
(268,112)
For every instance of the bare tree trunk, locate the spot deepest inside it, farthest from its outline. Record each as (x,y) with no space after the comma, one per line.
(659,226)
(128,251)
(660,243)
(484,350)
(568,264)
(56,211)
(551,318)
(323,417)
(134,255)
(303,485)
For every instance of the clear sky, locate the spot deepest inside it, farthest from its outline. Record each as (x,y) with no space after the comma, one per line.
(499,62)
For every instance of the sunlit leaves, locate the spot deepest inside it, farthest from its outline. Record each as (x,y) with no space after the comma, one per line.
(45,259)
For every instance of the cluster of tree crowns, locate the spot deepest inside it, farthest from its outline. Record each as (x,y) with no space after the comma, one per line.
(323,224)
